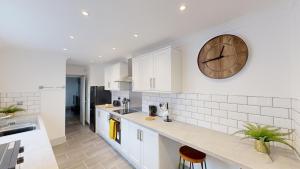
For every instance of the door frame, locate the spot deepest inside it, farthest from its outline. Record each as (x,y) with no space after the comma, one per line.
(83,96)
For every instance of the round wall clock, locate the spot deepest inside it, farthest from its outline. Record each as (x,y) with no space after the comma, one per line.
(223,56)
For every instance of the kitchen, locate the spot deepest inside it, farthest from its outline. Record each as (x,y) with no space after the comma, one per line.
(178,93)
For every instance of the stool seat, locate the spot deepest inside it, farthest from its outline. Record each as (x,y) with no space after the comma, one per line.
(192,155)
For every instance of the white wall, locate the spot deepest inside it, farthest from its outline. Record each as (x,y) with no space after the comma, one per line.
(295,69)
(24,70)
(266,72)
(76,70)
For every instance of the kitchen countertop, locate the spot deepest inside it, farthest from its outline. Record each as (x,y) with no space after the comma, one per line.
(225,147)
(38,153)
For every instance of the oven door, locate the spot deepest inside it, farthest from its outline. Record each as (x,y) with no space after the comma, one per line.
(118,126)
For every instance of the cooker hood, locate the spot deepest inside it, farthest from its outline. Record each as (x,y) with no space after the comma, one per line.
(127,79)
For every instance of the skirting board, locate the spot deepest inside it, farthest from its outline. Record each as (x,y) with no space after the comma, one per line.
(58,141)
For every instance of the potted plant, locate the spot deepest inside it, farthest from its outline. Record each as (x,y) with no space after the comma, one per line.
(9,111)
(263,135)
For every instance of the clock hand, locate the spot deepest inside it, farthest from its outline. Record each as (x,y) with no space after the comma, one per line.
(222,50)
(213,59)
(220,56)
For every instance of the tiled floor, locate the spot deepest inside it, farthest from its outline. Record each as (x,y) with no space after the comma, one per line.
(86,150)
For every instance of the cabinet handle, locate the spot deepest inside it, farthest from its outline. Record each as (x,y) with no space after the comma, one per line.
(138,134)
(153,83)
(141,135)
(150,83)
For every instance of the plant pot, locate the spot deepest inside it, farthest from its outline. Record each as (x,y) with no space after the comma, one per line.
(263,147)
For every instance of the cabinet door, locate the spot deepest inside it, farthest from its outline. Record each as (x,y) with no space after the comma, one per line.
(133,144)
(162,70)
(107,78)
(115,75)
(150,152)
(104,123)
(136,74)
(146,72)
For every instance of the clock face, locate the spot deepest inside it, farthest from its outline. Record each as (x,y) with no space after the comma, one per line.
(223,56)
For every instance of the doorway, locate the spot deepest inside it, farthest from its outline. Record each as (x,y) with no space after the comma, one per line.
(75,100)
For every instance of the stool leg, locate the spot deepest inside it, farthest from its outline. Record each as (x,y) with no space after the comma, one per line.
(179,162)
(190,165)
(193,165)
(205,164)
(183,164)
(202,165)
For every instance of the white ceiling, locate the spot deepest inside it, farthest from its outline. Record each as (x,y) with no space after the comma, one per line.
(47,24)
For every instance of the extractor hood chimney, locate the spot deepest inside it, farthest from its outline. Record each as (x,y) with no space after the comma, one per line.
(127,79)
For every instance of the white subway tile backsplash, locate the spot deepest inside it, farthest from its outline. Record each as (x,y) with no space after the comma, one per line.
(219,98)
(213,105)
(232,130)
(180,119)
(204,110)
(219,127)
(260,101)
(219,113)
(198,103)
(181,96)
(192,96)
(261,119)
(30,101)
(238,116)
(13,94)
(187,102)
(249,109)
(228,122)
(296,105)
(282,102)
(191,108)
(192,121)
(210,118)
(228,106)
(198,116)
(204,124)
(284,123)
(228,113)
(179,107)
(276,112)
(204,97)
(237,99)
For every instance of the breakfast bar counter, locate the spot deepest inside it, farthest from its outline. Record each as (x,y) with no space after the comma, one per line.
(228,148)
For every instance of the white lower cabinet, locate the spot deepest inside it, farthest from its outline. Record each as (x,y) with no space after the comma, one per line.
(102,123)
(140,145)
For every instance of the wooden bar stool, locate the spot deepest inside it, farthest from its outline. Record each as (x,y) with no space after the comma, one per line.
(191,155)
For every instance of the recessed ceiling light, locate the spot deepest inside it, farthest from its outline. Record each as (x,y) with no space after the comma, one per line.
(182,8)
(136,35)
(114,48)
(65,49)
(85,13)
(99,56)
(71,37)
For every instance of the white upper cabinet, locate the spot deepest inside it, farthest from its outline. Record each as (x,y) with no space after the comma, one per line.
(114,74)
(158,71)
(107,78)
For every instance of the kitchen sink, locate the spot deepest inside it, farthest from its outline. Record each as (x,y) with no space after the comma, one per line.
(17,128)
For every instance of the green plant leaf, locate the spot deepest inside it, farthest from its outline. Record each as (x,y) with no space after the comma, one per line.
(265,134)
